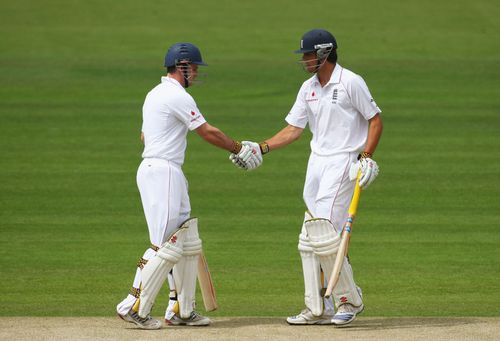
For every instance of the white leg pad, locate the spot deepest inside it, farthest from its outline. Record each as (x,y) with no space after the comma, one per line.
(312,274)
(155,271)
(325,242)
(186,270)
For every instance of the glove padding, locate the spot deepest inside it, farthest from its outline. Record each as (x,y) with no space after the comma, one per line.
(237,161)
(249,157)
(369,171)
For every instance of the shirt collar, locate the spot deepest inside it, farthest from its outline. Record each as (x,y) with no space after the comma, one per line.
(337,73)
(334,78)
(166,79)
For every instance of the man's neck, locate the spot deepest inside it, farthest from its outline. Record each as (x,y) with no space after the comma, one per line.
(178,77)
(325,72)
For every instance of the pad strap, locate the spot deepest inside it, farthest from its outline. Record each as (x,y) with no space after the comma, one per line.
(136,292)
(141,263)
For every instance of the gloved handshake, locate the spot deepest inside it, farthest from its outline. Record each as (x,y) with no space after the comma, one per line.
(250,155)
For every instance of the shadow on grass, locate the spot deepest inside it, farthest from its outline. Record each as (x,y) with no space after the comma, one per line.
(407,322)
(360,324)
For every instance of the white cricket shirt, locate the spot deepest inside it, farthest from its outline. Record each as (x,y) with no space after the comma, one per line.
(168,113)
(337,113)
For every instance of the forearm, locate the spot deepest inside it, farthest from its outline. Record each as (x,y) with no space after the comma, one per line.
(374,133)
(215,136)
(284,137)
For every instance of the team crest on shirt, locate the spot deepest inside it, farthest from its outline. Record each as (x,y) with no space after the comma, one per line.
(335,96)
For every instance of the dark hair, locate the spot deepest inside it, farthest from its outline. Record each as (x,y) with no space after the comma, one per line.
(332,57)
(171,69)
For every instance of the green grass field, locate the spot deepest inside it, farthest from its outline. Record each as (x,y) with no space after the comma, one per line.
(73,76)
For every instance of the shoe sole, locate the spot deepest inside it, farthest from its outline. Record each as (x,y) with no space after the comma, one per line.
(147,327)
(197,325)
(310,323)
(125,318)
(189,324)
(153,327)
(129,320)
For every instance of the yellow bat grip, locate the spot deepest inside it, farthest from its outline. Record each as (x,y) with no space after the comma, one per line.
(353,207)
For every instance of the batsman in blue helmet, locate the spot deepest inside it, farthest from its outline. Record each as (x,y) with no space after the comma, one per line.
(346,127)
(184,57)
(168,114)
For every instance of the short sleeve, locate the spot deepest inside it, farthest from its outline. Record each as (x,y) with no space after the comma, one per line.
(298,114)
(186,110)
(361,98)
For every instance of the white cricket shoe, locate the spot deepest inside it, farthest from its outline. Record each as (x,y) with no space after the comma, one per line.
(346,313)
(142,322)
(306,317)
(195,319)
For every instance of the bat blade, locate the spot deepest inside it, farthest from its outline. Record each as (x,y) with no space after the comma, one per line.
(206,284)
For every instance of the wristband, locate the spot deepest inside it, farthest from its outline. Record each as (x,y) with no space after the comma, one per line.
(364,155)
(264,148)
(236,147)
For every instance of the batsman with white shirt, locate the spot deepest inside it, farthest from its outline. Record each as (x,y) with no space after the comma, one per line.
(346,127)
(169,113)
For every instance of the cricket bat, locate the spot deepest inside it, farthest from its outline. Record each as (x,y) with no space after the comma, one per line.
(344,242)
(206,284)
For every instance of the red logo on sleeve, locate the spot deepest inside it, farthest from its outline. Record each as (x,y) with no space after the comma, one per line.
(193,113)
(312,94)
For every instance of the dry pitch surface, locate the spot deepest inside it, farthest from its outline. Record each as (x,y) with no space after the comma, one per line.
(248,328)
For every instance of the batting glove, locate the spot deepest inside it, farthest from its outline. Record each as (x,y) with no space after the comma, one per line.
(369,171)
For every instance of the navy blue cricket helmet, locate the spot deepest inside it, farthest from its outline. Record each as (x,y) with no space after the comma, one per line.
(315,39)
(183,52)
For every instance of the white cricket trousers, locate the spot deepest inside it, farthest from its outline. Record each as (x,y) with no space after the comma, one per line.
(164,195)
(327,189)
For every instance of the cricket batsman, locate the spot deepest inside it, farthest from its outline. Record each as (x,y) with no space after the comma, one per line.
(346,127)
(169,113)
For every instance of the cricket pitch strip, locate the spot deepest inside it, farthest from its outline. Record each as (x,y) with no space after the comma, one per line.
(252,328)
